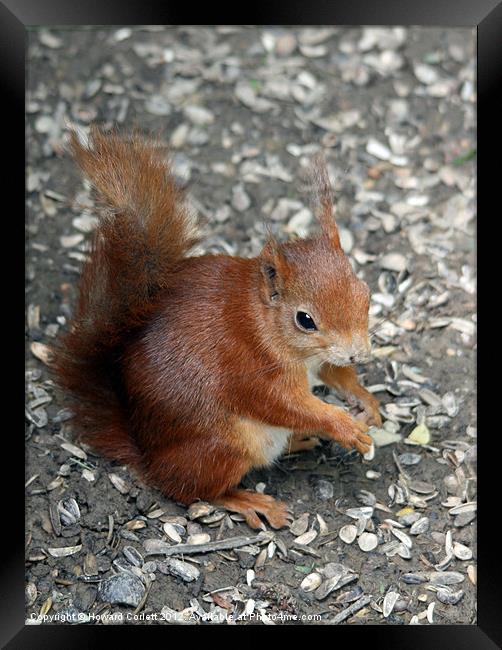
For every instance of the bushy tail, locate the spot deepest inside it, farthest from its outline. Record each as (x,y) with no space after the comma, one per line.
(145,228)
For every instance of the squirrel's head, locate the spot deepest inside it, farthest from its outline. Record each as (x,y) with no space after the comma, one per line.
(316,305)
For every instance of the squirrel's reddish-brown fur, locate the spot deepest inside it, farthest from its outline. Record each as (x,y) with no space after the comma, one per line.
(193,370)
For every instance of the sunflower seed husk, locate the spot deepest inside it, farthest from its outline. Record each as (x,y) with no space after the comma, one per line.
(464,508)
(462,552)
(364,512)
(409,459)
(199,509)
(42,352)
(472,573)
(306,538)
(69,512)
(449,597)
(445,577)
(429,397)
(172,533)
(217,516)
(413,578)
(420,526)
(334,583)
(118,483)
(300,525)
(184,570)
(198,538)
(382,438)
(133,555)
(74,450)
(404,551)
(402,537)
(64,551)
(389,602)
(413,375)
(31,594)
(464,519)
(420,487)
(367,542)
(311,582)
(348,533)
(323,526)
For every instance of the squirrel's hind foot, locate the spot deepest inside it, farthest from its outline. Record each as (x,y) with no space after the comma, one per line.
(250,504)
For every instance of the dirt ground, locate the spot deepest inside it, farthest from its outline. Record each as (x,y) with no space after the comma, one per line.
(242,109)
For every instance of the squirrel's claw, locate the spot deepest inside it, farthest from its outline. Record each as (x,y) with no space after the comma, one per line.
(250,504)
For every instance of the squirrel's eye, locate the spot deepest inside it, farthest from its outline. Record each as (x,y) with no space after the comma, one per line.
(305,321)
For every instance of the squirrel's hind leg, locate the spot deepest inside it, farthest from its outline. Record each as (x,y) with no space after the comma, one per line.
(251,504)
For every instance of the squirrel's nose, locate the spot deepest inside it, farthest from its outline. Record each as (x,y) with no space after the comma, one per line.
(352,359)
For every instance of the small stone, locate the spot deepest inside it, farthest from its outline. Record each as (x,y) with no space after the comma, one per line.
(123,588)
(324,490)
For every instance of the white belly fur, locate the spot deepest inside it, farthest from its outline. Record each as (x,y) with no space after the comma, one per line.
(275,442)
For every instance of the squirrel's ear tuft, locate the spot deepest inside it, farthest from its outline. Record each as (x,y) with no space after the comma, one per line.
(274,269)
(322,198)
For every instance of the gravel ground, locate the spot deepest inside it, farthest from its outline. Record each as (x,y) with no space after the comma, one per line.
(242,109)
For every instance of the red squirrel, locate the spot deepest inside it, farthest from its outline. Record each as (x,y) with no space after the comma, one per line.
(193,370)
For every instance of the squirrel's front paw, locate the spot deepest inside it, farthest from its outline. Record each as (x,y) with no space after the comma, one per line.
(351,434)
(370,412)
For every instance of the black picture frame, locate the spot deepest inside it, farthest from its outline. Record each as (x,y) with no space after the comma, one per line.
(16,16)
